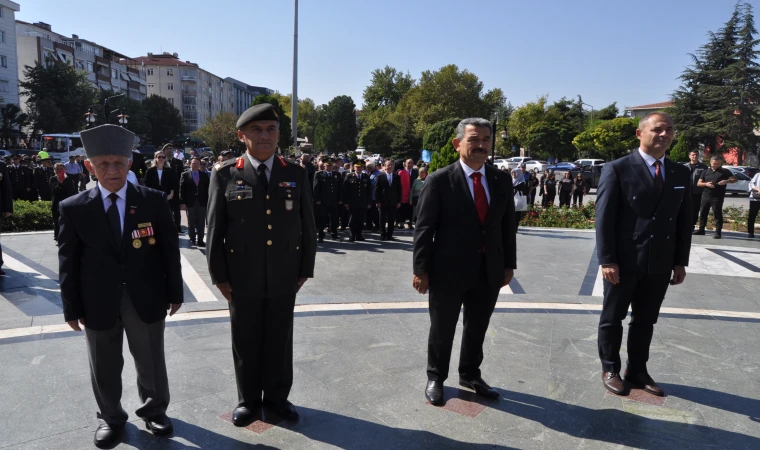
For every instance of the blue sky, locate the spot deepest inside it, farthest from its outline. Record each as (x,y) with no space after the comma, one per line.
(631,52)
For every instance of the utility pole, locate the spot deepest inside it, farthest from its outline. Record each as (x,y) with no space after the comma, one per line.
(294,96)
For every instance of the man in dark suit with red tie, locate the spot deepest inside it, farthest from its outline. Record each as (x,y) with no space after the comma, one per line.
(464,252)
(643,238)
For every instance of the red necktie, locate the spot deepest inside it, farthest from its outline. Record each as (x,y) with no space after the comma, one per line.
(658,181)
(481,201)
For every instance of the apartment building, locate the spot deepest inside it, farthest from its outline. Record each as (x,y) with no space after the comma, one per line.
(244,94)
(8,60)
(106,69)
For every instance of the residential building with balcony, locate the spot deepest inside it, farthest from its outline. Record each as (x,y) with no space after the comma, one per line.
(243,94)
(106,69)
(8,55)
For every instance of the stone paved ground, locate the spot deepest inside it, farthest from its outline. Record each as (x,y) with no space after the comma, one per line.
(359,357)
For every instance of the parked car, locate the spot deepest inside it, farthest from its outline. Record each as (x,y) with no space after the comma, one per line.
(4,153)
(746,170)
(536,165)
(503,164)
(564,167)
(741,187)
(589,162)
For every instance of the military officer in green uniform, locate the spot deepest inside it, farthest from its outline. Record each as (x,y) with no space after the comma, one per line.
(327,198)
(261,249)
(357,197)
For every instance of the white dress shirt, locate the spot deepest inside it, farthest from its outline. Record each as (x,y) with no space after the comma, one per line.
(650,163)
(268,163)
(132,178)
(160,173)
(468,171)
(121,202)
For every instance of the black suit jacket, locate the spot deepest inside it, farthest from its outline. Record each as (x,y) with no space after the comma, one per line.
(167,184)
(388,194)
(6,190)
(413,176)
(449,238)
(260,242)
(638,228)
(189,193)
(93,270)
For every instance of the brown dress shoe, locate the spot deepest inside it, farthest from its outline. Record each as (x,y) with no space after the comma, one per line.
(613,383)
(644,381)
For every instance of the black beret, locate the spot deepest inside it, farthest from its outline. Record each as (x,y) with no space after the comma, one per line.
(263,111)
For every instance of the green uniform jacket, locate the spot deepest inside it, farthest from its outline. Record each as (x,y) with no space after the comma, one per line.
(260,243)
(357,191)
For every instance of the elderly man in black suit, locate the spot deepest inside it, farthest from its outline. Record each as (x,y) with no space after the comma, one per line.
(193,195)
(643,238)
(464,252)
(119,269)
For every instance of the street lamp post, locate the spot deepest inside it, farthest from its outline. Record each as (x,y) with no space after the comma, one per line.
(294,99)
(90,118)
(122,118)
(590,123)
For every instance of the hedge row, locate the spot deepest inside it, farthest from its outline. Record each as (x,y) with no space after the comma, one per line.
(29,216)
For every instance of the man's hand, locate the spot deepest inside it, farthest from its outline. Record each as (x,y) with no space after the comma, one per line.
(710,185)
(611,273)
(722,182)
(421,282)
(170,196)
(226,291)
(679,274)
(74,324)
(369,206)
(173,307)
(301,281)
(508,275)
(340,203)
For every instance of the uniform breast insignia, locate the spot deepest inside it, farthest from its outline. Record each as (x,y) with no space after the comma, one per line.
(288,205)
(152,241)
(282,161)
(240,163)
(287,184)
(144,225)
(144,230)
(137,243)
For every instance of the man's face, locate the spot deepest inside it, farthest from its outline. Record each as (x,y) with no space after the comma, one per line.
(693,157)
(389,167)
(169,153)
(15,161)
(409,164)
(716,163)
(358,169)
(220,158)
(475,145)
(260,138)
(204,165)
(46,163)
(71,159)
(195,165)
(328,166)
(655,135)
(111,170)
(60,170)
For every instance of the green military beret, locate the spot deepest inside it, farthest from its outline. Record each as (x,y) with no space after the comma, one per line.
(107,140)
(328,160)
(263,111)
(359,163)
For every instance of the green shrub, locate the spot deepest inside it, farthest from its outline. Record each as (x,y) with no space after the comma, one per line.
(579,218)
(29,216)
(445,156)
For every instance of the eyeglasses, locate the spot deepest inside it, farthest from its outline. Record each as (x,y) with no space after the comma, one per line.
(160,157)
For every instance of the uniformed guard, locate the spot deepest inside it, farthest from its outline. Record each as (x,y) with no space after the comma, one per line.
(357,197)
(21,182)
(42,175)
(261,249)
(327,198)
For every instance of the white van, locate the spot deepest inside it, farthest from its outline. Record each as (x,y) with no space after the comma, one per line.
(61,146)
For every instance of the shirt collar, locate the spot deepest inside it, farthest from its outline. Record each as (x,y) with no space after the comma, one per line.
(650,159)
(121,193)
(255,162)
(468,171)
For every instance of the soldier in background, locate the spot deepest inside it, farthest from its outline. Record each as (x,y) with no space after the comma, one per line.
(327,186)
(21,182)
(357,197)
(42,176)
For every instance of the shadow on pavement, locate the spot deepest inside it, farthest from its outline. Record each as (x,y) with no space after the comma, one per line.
(186,435)
(749,407)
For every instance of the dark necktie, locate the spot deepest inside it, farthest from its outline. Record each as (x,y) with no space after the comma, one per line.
(262,177)
(481,201)
(114,220)
(658,181)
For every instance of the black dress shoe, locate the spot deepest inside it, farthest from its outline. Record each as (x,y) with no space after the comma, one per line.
(2,273)
(613,383)
(242,416)
(434,392)
(698,232)
(320,239)
(283,408)
(643,381)
(751,235)
(335,237)
(480,387)
(716,236)
(352,239)
(201,244)
(159,425)
(107,436)
(361,238)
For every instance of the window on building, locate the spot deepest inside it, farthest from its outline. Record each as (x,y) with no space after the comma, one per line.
(171,100)
(150,72)
(114,74)
(2,36)
(4,86)
(89,66)
(4,61)
(170,86)
(151,85)
(170,72)
(1,11)
(79,64)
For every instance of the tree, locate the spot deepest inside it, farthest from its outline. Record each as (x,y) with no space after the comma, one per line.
(614,138)
(607,113)
(336,127)
(164,121)
(307,119)
(58,96)
(286,132)
(447,155)
(679,152)
(439,134)
(12,120)
(387,88)
(220,132)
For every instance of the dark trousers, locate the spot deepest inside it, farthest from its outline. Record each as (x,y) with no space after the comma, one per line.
(262,347)
(564,198)
(175,213)
(327,215)
(696,204)
(356,222)
(56,226)
(146,343)
(32,195)
(373,217)
(404,213)
(532,197)
(344,214)
(83,180)
(387,220)
(754,207)
(1,247)
(644,294)
(704,210)
(196,221)
(548,199)
(479,302)
(578,198)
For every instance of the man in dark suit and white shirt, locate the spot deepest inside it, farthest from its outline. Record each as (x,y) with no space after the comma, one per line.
(119,270)
(643,238)
(388,198)
(193,195)
(464,252)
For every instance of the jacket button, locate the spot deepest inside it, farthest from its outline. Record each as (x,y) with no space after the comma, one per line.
(652,236)
(298,248)
(269,211)
(240,197)
(267,197)
(667,237)
(269,242)
(232,250)
(634,197)
(269,227)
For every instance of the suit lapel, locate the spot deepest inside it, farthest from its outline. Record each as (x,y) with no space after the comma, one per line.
(459,184)
(130,214)
(493,191)
(98,213)
(641,169)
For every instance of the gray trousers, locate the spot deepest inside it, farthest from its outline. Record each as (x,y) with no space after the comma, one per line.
(146,343)
(196,221)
